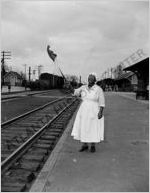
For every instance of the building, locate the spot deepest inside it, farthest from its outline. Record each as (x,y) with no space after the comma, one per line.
(13,78)
(127,82)
(141,69)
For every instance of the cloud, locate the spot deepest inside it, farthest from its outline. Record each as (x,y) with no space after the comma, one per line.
(95,34)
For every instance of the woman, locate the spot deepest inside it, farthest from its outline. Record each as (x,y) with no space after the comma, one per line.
(89,123)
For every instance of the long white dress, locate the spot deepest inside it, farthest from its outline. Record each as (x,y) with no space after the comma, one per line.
(87,127)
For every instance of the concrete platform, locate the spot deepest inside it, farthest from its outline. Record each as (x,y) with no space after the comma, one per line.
(5,90)
(120,164)
(132,95)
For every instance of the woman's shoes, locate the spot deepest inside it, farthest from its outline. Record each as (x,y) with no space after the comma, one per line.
(93,149)
(84,148)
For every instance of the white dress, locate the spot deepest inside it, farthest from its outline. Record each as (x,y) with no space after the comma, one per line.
(87,127)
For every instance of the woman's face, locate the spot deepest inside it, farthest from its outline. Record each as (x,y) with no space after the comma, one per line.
(91,80)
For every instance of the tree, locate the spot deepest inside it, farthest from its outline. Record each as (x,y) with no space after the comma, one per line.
(72,79)
(22,75)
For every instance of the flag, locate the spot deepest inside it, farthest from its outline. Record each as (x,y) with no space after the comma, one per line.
(51,54)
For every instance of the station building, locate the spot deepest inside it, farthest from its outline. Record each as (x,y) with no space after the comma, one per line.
(127,82)
(141,69)
(13,78)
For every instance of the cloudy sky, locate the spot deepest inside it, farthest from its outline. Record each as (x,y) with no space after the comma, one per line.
(88,36)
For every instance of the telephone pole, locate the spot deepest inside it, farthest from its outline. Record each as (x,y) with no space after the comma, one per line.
(25,65)
(39,70)
(29,73)
(4,56)
(111,71)
(33,72)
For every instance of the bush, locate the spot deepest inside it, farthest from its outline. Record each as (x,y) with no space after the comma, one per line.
(24,83)
(33,85)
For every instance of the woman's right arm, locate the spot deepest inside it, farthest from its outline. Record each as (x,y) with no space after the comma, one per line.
(77,92)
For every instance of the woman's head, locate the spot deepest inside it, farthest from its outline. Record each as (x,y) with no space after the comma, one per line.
(91,79)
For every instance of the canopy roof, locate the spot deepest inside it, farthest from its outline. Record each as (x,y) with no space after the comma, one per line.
(125,76)
(142,65)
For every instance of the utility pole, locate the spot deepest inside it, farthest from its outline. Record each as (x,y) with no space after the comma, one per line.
(108,71)
(39,70)
(111,73)
(114,73)
(25,65)
(29,74)
(33,72)
(4,56)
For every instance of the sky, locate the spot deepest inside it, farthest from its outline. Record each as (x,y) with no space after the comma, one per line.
(87,36)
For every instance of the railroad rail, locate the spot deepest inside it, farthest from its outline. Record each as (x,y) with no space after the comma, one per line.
(16,131)
(21,165)
(7,123)
(17,95)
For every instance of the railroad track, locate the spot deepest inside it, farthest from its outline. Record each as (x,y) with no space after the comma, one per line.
(17,130)
(23,94)
(20,167)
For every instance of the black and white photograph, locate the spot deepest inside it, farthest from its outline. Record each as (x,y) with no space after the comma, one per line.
(74,95)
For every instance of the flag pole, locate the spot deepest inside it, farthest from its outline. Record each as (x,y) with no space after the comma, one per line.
(53,56)
(54,69)
(65,80)
(57,65)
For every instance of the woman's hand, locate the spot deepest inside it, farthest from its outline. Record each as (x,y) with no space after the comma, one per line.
(100,113)
(71,89)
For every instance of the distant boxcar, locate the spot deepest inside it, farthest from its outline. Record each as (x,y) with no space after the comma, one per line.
(53,81)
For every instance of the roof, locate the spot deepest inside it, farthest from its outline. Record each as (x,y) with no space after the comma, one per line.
(139,65)
(13,73)
(125,76)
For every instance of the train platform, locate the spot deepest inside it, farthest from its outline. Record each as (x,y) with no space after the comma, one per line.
(14,89)
(120,163)
(132,95)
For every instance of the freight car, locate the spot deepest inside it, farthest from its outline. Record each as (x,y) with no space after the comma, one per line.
(51,80)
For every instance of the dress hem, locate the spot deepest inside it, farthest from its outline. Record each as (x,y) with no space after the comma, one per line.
(84,141)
